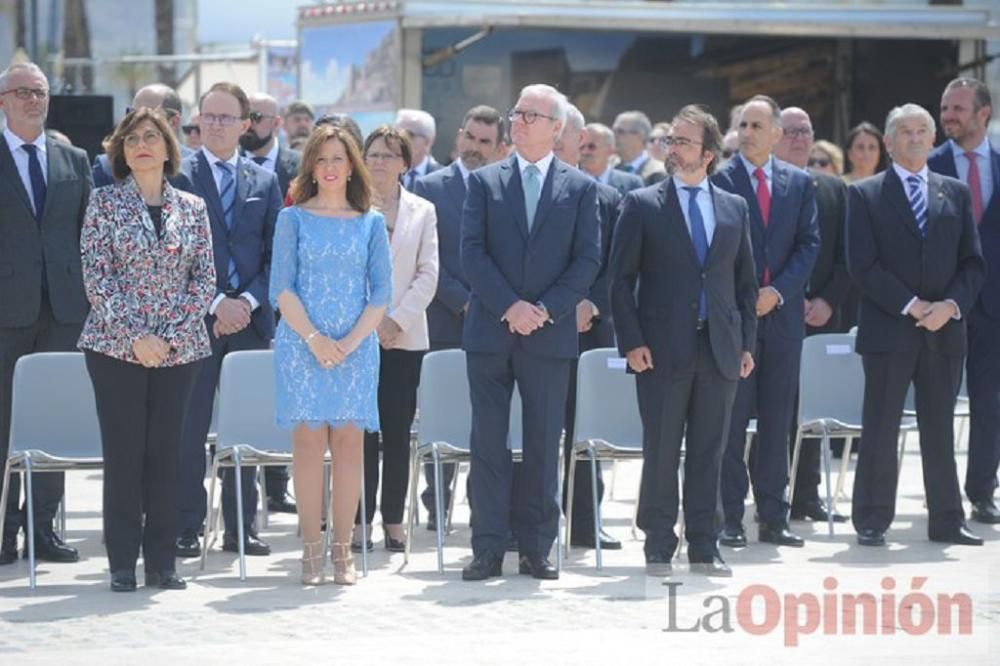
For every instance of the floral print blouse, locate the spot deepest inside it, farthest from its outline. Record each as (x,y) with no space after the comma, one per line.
(142,283)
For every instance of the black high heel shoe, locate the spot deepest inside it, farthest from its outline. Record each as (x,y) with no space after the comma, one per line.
(393,545)
(123,581)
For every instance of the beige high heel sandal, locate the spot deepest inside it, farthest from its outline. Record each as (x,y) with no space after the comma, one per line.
(312,563)
(343,564)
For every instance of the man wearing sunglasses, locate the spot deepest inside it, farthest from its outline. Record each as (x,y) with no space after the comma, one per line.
(260,142)
(153,96)
(44,185)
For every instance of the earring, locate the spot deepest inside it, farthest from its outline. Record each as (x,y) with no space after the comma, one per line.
(314,181)
(348,178)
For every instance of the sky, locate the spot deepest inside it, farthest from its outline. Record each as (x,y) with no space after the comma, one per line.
(240,20)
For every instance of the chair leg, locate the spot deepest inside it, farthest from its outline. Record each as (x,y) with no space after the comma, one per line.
(438,503)
(825,443)
(614,479)
(327,504)
(680,507)
(845,461)
(210,513)
(794,467)
(263,519)
(746,448)
(240,532)
(364,527)
(597,506)
(5,484)
(559,504)
(451,500)
(29,493)
(899,458)
(635,512)
(412,495)
(570,489)
(62,517)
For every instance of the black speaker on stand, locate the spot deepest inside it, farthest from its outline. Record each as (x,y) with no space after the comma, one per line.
(85,119)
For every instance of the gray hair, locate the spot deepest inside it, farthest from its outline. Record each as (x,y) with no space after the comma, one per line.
(908,110)
(637,120)
(574,118)
(560,104)
(17,67)
(771,104)
(603,131)
(419,118)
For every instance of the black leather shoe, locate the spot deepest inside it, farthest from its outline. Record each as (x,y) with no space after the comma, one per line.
(123,581)
(483,566)
(658,565)
(50,548)
(815,511)
(432,524)
(282,504)
(733,537)
(538,566)
(871,537)
(716,567)
(394,545)
(166,580)
(188,545)
(986,512)
(960,536)
(8,551)
(252,545)
(585,539)
(779,535)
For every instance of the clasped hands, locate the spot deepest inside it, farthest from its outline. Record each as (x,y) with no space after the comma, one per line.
(525,318)
(151,350)
(640,360)
(329,352)
(232,315)
(932,316)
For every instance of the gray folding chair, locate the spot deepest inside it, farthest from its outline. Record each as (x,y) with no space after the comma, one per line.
(53,426)
(248,436)
(606,426)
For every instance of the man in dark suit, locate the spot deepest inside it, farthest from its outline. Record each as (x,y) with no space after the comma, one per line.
(529,266)
(913,250)
(243,203)
(687,332)
(422,129)
(44,189)
(153,96)
(593,323)
(595,159)
(260,143)
(478,142)
(632,130)
(825,292)
(785,238)
(967,155)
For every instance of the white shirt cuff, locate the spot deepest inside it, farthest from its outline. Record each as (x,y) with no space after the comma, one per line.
(254,303)
(906,308)
(215,303)
(958,310)
(781,299)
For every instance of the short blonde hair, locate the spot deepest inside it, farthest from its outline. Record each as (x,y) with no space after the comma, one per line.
(834,152)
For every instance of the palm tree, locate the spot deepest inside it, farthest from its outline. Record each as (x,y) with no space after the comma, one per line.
(164,19)
(76,44)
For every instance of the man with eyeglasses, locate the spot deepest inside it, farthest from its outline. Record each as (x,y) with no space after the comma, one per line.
(243,203)
(632,130)
(422,129)
(826,290)
(260,143)
(530,250)
(44,185)
(595,159)
(153,96)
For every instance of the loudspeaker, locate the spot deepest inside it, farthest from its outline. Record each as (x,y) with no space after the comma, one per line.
(85,119)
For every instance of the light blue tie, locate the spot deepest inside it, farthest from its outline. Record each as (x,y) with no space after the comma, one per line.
(699,238)
(532,191)
(227,195)
(917,202)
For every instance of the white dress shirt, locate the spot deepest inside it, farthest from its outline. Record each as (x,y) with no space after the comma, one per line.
(542,165)
(464,171)
(982,152)
(20,156)
(638,162)
(270,160)
(768,168)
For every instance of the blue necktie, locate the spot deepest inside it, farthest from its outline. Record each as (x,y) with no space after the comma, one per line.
(917,202)
(227,195)
(37,179)
(699,238)
(532,191)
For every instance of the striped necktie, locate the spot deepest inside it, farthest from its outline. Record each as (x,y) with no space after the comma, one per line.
(918,203)
(227,195)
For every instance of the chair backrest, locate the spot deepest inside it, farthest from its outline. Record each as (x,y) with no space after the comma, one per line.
(53,407)
(443,399)
(832,379)
(607,407)
(246,403)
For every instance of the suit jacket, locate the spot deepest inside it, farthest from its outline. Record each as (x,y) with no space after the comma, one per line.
(608,206)
(624,182)
(829,279)
(891,263)
(101,170)
(651,172)
(652,246)
(140,283)
(942,161)
(554,264)
(248,243)
(24,242)
(789,244)
(446,190)
(414,247)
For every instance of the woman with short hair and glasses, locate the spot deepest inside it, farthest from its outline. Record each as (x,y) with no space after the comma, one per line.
(827,157)
(149,275)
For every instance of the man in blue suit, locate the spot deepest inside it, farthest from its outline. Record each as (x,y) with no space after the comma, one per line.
(785,237)
(967,155)
(478,142)
(595,158)
(243,203)
(530,251)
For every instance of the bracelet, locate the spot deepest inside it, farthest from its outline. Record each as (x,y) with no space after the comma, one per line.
(311,336)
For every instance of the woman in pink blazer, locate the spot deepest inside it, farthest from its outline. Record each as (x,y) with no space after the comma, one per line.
(412,227)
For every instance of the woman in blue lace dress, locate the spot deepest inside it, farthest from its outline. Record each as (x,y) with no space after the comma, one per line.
(331,280)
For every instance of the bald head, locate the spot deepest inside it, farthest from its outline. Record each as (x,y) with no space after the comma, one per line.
(796,137)
(265,103)
(160,96)
(265,121)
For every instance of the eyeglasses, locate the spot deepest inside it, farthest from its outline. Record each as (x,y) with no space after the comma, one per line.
(24,94)
(224,120)
(528,117)
(256,117)
(818,162)
(798,132)
(190,129)
(149,137)
(678,141)
(589,146)
(381,157)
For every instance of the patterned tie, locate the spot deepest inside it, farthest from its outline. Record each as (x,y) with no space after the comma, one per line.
(764,202)
(227,195)
(917,202)
(532,191)
(699,238)
(38,187)
(975,186)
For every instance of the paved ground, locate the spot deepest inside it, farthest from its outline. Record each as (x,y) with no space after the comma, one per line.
(586,617)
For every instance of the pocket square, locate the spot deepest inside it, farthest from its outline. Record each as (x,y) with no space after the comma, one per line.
(252,199)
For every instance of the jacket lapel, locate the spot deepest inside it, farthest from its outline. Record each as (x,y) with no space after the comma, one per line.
(935,199)
(670,204)
(201,172)
(892,190)
(245,180)
(779,192)
(403,222)
(555,180)
(455,186)
(9,175)
(513,194)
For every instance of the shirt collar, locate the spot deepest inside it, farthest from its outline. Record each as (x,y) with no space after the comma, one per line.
(905,173)
(680,184)
(751,167)
(606,176)
(421,168)
(542,164)
(637,163)
(462,170)
(272,154)
(14,141)
(982,150)
(212,159)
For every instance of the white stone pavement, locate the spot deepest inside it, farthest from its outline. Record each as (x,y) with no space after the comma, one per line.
(613,616)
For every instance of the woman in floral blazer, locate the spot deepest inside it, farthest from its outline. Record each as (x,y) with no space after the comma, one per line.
(149,275)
